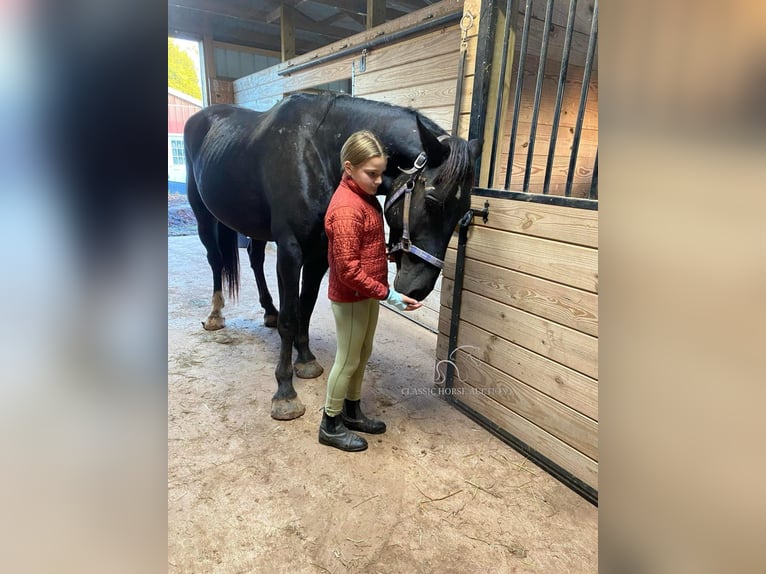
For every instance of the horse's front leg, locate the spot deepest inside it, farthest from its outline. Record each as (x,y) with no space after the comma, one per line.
(314,268)
(285,404)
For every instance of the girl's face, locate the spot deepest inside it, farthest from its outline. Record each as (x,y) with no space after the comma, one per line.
(367,175)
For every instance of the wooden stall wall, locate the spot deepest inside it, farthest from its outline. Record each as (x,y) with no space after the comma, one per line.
(418,72)
(389,68)
(527,348)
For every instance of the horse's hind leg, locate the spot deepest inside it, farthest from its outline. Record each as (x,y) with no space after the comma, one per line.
(314,268)
(285,404)
(257,252)
(207,229)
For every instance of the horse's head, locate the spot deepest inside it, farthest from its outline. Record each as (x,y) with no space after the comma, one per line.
(423,209)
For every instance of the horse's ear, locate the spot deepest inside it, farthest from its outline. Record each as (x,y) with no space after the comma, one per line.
(474,147)
(436,151)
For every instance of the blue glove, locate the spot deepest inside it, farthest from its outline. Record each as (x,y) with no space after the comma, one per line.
(395,298)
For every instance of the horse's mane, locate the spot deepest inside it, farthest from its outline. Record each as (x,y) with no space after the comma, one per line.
(457,166)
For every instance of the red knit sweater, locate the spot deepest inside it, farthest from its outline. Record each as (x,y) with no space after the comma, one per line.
(356,245)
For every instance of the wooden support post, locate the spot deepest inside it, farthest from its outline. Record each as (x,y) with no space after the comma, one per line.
(496,110)
(208,51)
(376,13)
(287,26)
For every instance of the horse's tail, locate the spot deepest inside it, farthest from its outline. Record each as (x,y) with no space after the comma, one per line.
(228,245)
(221,242)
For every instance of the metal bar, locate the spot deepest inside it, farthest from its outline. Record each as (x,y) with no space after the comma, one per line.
(482,75)
(517,96)
(458,92)
(560,200)
(457,297)
(559,95)
(510,19)
(374,43)
(538,93)
(594,180)
(559,473)
(583,97)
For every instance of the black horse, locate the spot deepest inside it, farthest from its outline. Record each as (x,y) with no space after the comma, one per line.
(270,176)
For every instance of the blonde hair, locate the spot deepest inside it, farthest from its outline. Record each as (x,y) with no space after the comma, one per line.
(361,146)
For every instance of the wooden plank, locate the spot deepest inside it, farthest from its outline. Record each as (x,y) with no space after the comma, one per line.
(433,94)
(568,458)
(432,69)
(556,38)
(560,14)
(568,425)
(572,265)
(436,10)
(578,226)
(567,346)
(442,116)
(498,96)
(570,104)
(287,31)
(566,385)
(583,172)
(376,13)
(565,305)
(331,71)
(588,146)
(412,51)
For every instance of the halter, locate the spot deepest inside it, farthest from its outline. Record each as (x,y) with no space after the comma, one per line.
(406,189)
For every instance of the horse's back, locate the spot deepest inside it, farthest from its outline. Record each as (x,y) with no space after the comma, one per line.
(253,169)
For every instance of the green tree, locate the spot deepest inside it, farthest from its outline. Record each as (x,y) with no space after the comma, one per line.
(182,75)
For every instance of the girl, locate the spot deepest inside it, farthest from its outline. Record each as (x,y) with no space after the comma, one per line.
(358,281)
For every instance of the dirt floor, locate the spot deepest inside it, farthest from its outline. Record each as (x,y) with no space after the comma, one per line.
(247,493)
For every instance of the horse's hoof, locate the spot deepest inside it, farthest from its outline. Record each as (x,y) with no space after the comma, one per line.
(310,370)
(287,409)
(214,323)
(270,320)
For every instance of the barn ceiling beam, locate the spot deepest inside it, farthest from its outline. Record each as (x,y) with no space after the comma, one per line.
(302,22)
(217,9)
(287,31)
(264,37)
(359,8)
(376,13)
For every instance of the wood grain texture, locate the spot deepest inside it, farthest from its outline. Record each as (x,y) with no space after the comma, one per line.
(578,226)
(570,459)
(572,265)
(560,303)
(568,425)
(564,345)
(566,385)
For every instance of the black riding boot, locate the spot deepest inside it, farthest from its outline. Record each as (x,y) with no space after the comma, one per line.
(333,432)
(354,418)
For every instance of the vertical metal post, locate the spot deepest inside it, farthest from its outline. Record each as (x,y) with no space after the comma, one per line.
(583,97)
(457,299)
(510,19)
(594,180)
(517,96)
(559,95)
(482,74)
(538,93)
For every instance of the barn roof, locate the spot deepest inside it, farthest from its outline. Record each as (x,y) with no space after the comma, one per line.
(186,97)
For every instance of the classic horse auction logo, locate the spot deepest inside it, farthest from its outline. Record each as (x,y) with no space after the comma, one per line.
(440,377)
